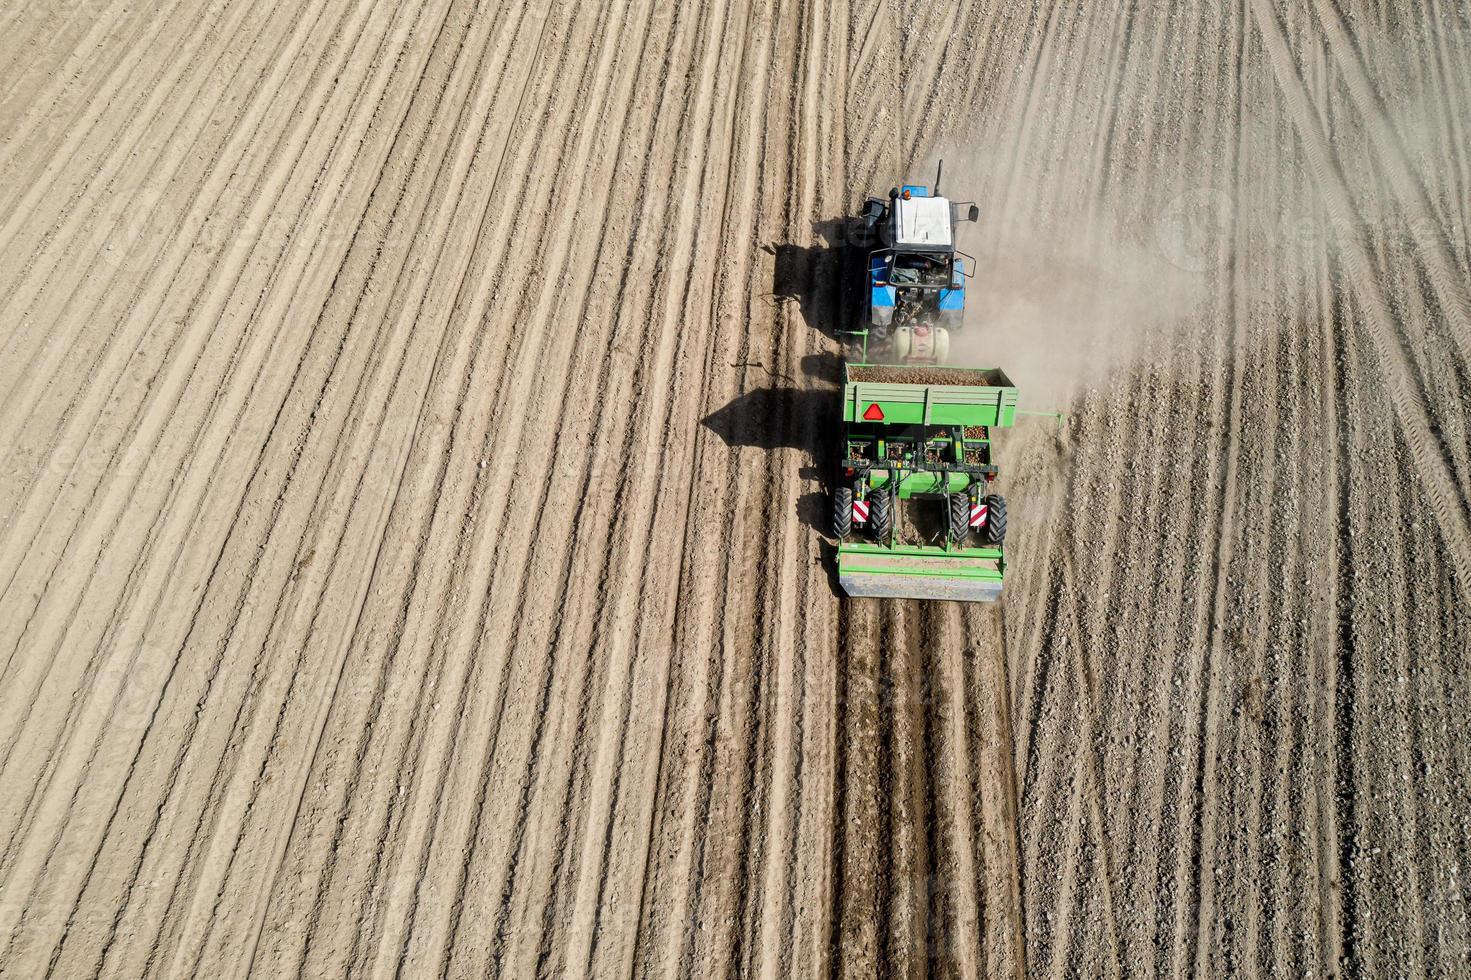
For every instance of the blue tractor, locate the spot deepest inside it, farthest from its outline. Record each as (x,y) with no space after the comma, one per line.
(916,277)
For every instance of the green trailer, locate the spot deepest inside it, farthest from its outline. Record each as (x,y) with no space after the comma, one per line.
(913,510)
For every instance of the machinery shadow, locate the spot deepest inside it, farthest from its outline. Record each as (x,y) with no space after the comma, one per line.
(824,279)
(777,418)
(825,366)
(814,510)
(804,419)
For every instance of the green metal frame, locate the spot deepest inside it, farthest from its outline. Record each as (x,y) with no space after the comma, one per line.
(914,482)
(856,551)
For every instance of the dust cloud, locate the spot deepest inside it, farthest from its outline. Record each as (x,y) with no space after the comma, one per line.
(1061,298)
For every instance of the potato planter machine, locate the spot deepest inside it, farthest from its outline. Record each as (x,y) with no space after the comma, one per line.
(921,433)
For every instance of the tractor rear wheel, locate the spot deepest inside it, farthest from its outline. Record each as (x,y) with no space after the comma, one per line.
(995,519)
(842,512)
(959,515)
(881,513)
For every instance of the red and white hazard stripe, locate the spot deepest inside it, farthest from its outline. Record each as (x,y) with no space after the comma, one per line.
(978,515)
(860,511)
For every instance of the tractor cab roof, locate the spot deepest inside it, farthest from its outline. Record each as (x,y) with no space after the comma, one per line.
(922,222)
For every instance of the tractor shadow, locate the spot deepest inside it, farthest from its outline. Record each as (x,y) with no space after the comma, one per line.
(824,279)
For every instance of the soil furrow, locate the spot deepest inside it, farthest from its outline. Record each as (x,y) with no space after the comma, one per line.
(415,552)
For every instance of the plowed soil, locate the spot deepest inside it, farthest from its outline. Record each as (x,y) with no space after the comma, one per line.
(413,528)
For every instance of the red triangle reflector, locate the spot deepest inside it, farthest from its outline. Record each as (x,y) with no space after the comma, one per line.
(873,413)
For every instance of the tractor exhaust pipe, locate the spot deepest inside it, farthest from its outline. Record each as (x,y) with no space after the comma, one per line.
(939,172)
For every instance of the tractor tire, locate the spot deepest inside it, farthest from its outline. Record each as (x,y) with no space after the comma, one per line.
(881,514)
(842,512)
(995,519)
(959,516)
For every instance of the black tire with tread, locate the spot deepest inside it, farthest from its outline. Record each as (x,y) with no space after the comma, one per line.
(842,512)
(959,515)
(995,519)
(880,514)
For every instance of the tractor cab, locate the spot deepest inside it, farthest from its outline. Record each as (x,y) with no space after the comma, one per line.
(917,277)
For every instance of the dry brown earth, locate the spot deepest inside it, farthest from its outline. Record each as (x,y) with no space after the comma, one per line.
(411,547)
